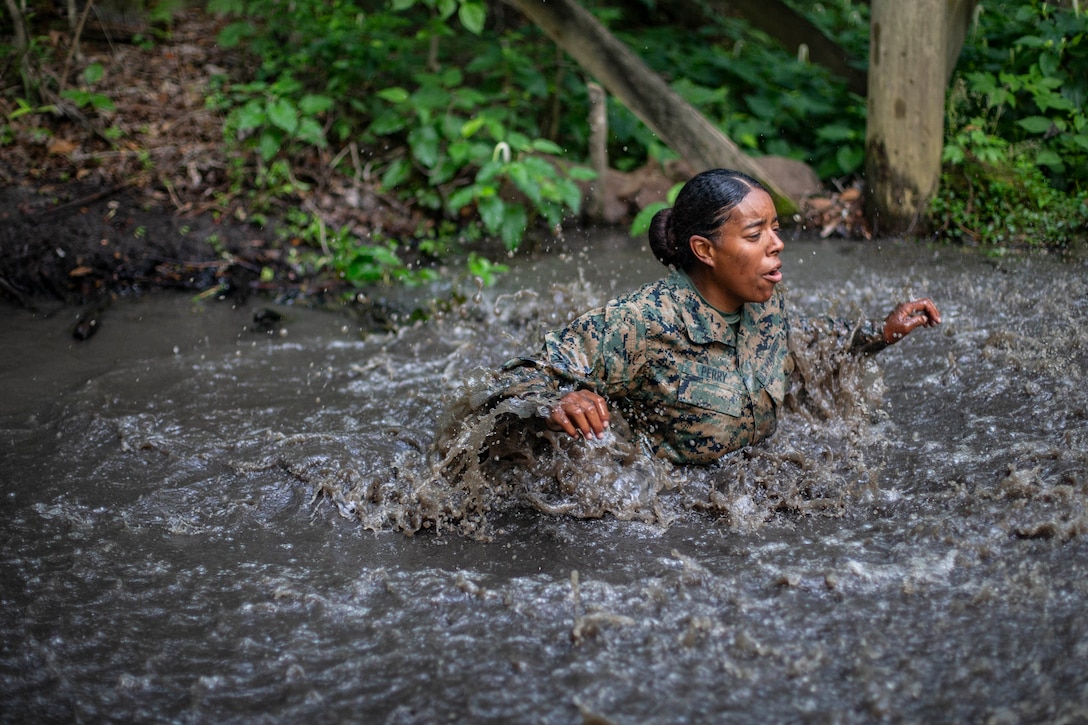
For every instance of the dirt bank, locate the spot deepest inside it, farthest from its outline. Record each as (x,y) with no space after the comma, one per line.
(108,201)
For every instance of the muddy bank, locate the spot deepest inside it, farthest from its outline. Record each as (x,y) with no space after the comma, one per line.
(79,242)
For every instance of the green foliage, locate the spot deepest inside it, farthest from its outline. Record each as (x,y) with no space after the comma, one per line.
(1025,79)
(272,117)
(484,269)
(84,98)
(763,98)
(459,142)
(1016,157)
(351,259)
(642,220)
(994,194)
(8,130)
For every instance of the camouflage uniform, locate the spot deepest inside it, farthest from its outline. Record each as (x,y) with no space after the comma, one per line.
(696,386)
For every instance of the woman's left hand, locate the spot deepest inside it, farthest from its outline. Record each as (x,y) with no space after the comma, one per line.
(908,316)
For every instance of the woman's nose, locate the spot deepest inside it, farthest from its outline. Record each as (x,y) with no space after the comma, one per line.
(776,244)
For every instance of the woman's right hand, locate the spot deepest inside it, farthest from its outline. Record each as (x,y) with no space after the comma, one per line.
(580,412)
(908,316)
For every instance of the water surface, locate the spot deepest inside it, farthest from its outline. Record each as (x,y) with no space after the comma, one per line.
(203,522)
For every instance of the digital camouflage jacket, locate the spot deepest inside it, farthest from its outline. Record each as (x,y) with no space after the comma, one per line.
(692,384)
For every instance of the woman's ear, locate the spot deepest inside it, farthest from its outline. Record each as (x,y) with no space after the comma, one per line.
(703,249)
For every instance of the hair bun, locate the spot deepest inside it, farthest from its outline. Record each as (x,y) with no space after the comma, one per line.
(663,238)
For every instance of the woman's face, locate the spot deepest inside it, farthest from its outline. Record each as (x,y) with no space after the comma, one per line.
(742,263)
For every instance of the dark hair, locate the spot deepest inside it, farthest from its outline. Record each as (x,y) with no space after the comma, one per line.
(701,207)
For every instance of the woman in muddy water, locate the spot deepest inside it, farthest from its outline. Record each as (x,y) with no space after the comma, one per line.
(698,361)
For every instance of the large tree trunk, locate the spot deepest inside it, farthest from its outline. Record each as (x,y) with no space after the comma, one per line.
(649,97)
(913,47)
(905,130)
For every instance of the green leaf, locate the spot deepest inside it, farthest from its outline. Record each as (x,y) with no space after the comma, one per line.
(311,104)
(1049,158)
(459,199)
(226,7)
(445,8)
(546,146)
(836,132)
(641,222)
(489,171)
(1049,63)
(514,221)
(395,94)
(953,154)
(76,96)
(396,173)
(570,194)
(581,173)
(429,98)
(234,34)
(282,113)
(424,143)
(388,123)
(251,115)
(849,158)
(1035,124)
(471,126)
(269,144)
(530,185)
(384,256)
(452,77)
(310,131)
(491,212)
(1031,41)
(101,102)
(472,15)
(93,73)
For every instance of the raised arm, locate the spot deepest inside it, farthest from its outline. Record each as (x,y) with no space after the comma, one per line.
(905,318)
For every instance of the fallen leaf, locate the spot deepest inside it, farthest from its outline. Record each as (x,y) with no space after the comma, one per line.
(61,147)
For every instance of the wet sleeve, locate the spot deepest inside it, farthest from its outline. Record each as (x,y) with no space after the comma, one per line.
(868,338)
(857,338)
(599,351)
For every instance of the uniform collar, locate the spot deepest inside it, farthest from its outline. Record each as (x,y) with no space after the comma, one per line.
(704,322)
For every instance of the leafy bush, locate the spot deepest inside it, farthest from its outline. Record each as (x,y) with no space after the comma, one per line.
(456,141)
(1016,158)
(998,197)
(1024,79)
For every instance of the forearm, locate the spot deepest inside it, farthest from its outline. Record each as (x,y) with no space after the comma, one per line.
(856,338)
(868,338)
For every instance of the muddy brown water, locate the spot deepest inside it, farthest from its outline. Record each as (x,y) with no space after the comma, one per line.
(203,523)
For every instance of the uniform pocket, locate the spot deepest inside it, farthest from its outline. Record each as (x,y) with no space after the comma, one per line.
(729,397)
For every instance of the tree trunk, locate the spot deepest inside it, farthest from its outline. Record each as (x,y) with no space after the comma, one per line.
(649,97)
(960,15)
(913,48)
(905,130)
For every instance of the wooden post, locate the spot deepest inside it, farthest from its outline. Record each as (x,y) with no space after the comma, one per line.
(598,148)
(908,50)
